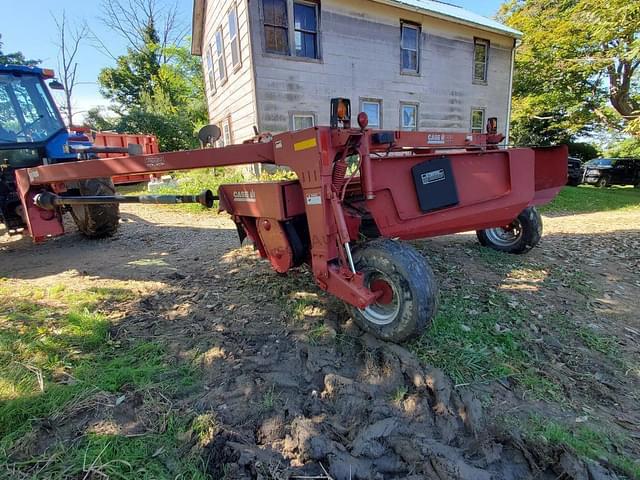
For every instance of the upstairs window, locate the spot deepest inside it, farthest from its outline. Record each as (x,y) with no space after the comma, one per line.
(477,120)
(222,70)
(305,19)
(480,60)
(210,74)
(276,26)
(409,48)
(291,27)
(234,38)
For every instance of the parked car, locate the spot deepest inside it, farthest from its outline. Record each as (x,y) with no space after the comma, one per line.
(574,177)
(605,172)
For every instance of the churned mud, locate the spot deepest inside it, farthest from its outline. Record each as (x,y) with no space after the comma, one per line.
(295,388)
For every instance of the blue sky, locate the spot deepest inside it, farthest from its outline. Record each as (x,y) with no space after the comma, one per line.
(28,26)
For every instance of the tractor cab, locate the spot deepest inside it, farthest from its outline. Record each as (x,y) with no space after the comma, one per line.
(30,123)
(32,132)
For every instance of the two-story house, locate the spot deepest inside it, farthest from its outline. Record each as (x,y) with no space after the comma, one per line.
(409,64)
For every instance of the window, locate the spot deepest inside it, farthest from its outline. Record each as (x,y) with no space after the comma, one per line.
(300,121)
(276,26)
(226,131)
(289,22)
(408,116)
(222,70)
(234,38)
(477,120)
(409,48)
(26,111)
(373,109)
(480,60)
(225,139)
(210,75)
(305,29)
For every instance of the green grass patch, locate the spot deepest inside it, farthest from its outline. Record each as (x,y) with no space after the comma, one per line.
(56,352)
(477,339)
(399,393)
(269,399)
(190,182)
(600,343)
(317,333)
(585,441)
(151,456)
(587,199)
(576,280)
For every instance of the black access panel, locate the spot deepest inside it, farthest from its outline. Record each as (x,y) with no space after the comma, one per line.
(435,184)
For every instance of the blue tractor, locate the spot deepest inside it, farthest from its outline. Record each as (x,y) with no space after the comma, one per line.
(32,133)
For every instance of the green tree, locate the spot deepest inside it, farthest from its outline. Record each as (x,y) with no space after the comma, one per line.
(578,63)
(136,73)
(583,151)
(629,147)
(98,119)
(16,58)
(157,87)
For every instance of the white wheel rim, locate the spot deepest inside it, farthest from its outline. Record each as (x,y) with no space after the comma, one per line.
(505,237)
(378,313)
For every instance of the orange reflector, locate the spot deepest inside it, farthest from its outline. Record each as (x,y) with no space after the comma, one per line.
(48,73)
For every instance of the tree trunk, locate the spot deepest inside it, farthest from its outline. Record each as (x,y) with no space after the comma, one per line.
(619,90)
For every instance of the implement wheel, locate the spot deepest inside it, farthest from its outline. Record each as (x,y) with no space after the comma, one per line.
(519,236)
(408,291)
(96,221)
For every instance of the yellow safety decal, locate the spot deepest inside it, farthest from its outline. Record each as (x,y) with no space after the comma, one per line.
(305,144)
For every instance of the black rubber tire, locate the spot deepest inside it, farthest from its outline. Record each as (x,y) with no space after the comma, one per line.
(603,182)
(96,221)
(410,275)
(574,182)
(531,232)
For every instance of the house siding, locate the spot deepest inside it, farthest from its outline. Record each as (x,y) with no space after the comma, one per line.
(360,50)
(235,99)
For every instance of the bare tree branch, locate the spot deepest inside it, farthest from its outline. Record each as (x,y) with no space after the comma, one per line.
(69,41)
(130,20)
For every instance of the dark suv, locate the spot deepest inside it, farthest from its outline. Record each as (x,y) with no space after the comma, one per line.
(604,172)
(574,172)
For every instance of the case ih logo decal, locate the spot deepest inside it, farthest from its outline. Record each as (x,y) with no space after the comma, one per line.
(244,196)
(435,139)
(154,162)
(433,177)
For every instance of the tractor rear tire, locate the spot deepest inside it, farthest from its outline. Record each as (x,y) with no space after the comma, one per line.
(523,234)
(410,292)
(96,221)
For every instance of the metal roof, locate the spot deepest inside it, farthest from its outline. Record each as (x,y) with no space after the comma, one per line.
(453,13)
(432,8)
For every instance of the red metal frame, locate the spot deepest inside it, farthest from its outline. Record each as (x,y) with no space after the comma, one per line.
(494,186)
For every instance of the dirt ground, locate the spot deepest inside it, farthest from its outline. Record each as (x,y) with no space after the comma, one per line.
(297,391)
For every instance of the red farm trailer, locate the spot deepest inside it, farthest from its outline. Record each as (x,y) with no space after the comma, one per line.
(118,143)
(358,194)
